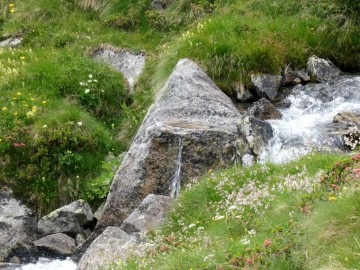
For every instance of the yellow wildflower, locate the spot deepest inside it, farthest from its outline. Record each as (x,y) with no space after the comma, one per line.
(44,102)
(15,113)
(18,93)
(345,188)
(4,109)
(34,109)
(11,5)
(12,10)
(22,57)
(0,140)
(332,198)
(32,99)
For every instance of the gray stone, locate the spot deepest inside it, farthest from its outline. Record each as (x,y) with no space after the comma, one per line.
(248,160)
(344,123)
(80,238)
(17,230)
(149,214)
(57,245)
(11,42)
(321,69)
(99,211)
(111,247)
(190,128)
(263,110)
(69,219)
(303,75)
(267,85)
(257,132)
(242,93)
(159,4)
(128,63)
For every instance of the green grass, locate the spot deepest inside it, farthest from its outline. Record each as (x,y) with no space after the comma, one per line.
(265,217)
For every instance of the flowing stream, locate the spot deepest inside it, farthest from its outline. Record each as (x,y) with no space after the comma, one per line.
(175,181)
(306,124)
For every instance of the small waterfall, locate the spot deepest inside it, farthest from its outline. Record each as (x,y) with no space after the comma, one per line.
(176,179)
(303,127)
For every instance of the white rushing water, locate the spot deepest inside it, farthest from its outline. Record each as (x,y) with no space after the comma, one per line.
(49,264)
(303,125)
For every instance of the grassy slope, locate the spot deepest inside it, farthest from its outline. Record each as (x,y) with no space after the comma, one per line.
(55,135)
(304,215)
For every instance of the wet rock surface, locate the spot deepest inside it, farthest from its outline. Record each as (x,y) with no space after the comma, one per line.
(71,219)
(17,230)
(263,110)
(321,69)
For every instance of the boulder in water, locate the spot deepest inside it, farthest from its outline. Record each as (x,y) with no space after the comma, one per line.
(264,110)
(257,133)
(17,230)
(321,69)
(71,219)
(148,215)
(267,85)
(57,245)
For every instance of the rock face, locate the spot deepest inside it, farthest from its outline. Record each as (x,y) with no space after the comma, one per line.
(267,85)
(190,128)
(111,247)
(17,230)
(321,69)
(57,245)
(257,132)
(264,110)
(71,219)
(149,215)
(129,64)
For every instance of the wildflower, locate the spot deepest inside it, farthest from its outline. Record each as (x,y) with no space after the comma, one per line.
(32,99)
(4,109)
(267,242)
(79,124)
(29,114)
(331,198)
(112,125)
(15,113)
(90,76)
(345,188)
(18,93)
(0,140)
(12,10)
(45,126)
(34,109)
(22,57)
(87,91)
(44,102)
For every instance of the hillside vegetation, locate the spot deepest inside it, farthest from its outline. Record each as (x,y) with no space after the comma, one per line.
(303,215)
(65,118)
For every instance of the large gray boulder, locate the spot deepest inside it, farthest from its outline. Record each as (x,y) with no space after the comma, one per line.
(17,230)
(111,247)
(148,215)
(190,128)
(321,69)
(57,245)
(128,63)
(267,85)
(71,219)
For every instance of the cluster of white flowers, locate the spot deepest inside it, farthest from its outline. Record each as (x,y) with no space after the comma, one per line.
(88,84)
(353,139)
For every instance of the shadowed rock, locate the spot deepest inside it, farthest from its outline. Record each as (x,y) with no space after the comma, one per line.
(70,219)
(264,110)
(57,245)
(17,230)
(267,85)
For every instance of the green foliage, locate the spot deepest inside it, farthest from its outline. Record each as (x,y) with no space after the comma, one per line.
(96,190)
